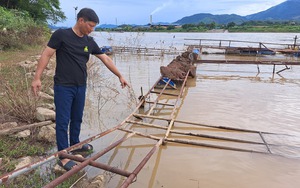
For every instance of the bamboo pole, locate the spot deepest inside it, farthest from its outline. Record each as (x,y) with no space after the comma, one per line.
(24,127)
(229,128)
(163,93)
(263,139)
(188,142)
(157,99)
(168,131)
(195,134)
(204,125)
(160,103)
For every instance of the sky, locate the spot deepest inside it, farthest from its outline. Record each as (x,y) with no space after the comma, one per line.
(139,11)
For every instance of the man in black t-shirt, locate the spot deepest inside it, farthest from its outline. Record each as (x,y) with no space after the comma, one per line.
(73,47)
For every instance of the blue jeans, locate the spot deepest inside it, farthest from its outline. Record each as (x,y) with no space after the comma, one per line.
(69,104)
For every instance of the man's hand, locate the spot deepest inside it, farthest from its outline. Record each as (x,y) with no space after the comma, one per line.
(36,86)
(123,82)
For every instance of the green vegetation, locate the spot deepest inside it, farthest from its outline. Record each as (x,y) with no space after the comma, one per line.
(18,29)
(23,31)
(24,22)
(266,26)
(40,11)
(250,26)
(12,148)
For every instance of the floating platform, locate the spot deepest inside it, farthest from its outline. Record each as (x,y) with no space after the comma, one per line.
(238,47)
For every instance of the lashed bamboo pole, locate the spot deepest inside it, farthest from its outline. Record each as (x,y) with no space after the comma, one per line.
(195,134)
(160,103)
(159,95)
(211,126)
(229,128)
(164,93)
(21,128)
(188,142)
(171,123)
(168,131)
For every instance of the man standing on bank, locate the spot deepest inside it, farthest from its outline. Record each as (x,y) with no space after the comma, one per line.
(73,47)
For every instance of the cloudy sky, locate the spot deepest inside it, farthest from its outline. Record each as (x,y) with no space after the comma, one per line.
(139,11)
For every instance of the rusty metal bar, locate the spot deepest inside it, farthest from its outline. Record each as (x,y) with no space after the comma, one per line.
(78,167)
(17,172)
(133,175)
(29,167)
(97,164)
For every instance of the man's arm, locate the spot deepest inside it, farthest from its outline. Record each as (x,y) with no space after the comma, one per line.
(111,66)
(43,62)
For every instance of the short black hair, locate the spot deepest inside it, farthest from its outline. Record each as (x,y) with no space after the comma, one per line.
(88,15)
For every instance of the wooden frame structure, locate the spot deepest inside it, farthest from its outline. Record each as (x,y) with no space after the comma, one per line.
(131,121)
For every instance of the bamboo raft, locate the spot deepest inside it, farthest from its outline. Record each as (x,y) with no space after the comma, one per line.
(147,51)
(274,63)
(152,104)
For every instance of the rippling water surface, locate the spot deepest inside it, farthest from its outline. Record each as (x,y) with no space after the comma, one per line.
(221,95)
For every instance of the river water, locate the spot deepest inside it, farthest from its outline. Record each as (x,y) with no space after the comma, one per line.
(221,95)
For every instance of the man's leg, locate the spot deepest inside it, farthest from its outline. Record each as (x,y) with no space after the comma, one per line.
(76,115)
(63,98)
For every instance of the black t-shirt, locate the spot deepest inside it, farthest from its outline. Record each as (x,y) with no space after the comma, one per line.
(72,54)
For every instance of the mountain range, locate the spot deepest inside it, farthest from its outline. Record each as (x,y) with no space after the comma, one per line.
(286,11)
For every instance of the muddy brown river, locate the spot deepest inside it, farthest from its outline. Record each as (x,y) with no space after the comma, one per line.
(221,95)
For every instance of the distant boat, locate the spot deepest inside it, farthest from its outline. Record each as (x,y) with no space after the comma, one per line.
(107,50)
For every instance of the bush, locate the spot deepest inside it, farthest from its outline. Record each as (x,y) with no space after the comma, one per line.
(18,29)
(18,101)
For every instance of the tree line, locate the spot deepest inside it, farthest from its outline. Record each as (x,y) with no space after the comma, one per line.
(249,26)
(25,22)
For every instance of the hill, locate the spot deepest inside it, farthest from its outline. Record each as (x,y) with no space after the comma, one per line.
(209,18)
(286,11)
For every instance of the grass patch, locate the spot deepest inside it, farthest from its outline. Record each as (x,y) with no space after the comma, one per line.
(14,148)
(11,57)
